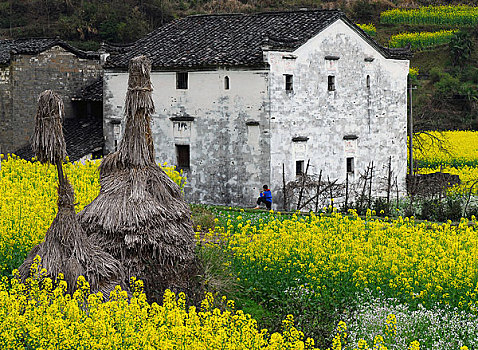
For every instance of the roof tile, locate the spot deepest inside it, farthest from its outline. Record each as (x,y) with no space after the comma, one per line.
(34,46)
(233,39)
(82,137)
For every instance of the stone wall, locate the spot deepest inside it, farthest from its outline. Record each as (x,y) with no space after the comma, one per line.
(326,127)
(5,109)
(28,75)
(227,130)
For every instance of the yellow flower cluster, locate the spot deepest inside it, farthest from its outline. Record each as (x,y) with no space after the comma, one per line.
(421,40)
(28,202)
(432,15)
(414,262)
(39,315)
(413,72)
(391,325)
(368,28)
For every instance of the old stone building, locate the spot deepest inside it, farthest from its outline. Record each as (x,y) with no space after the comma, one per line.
(30,66)
(246,100)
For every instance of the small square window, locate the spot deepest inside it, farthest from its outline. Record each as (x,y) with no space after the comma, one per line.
(182,80)
(299,167)
(350,165)
(182,156)
(289,82)
(226,83)
(331,83)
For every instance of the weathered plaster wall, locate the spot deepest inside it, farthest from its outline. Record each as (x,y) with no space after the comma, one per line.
(5,107)
(26,77)
(376,115)
(229,160)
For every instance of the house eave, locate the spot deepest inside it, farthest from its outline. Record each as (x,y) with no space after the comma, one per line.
(171,68)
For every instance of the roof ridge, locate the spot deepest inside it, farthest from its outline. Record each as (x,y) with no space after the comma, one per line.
(261,13)
(34,38)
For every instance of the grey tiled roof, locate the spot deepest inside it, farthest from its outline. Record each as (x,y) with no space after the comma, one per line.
(92,92)
(34,46)
(233,39)
(82,137)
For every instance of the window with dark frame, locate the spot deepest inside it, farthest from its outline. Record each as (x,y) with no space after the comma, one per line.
(289,82)
(331,83)
(181,80)
(299,167)
(368,81)
(182,156)
(226,83)
(350,165)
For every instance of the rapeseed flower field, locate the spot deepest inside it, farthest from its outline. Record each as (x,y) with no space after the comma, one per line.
(330,261)
(460,148)
(369,28)
(39,315)
(462,15)
(422,40)
(326,256)
(458,156)
(301,263)
(28,202)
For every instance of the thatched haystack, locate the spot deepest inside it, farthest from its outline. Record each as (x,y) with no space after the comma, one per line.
(140,216)
(66,248)
(48,142)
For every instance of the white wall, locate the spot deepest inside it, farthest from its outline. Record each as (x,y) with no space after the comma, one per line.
(377,116)
(229,159)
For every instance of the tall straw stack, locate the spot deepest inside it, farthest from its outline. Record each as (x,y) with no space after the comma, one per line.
(139,215)
(66,248)
(48,142)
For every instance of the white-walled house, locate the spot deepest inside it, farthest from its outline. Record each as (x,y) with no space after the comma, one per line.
(238,96)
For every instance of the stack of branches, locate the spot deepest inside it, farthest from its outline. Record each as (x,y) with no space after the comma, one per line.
(139,215)
(431,185)
(312,192)
(375,188)
(66,249)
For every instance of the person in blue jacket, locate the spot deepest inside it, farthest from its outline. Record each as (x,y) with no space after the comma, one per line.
(265,197)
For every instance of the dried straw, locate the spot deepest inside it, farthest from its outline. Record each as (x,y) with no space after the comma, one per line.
(66,248)
(136,149)
(48,142)
(139,216)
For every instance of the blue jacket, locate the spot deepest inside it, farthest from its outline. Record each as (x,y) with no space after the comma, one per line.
(267,195)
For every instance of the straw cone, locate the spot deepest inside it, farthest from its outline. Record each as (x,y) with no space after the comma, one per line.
(66,248)
(140,216)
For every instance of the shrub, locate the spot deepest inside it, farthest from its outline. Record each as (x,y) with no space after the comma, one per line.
(435,74)
(448,86)
(461,48)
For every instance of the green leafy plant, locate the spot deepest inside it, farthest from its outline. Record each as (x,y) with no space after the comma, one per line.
(461,48)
